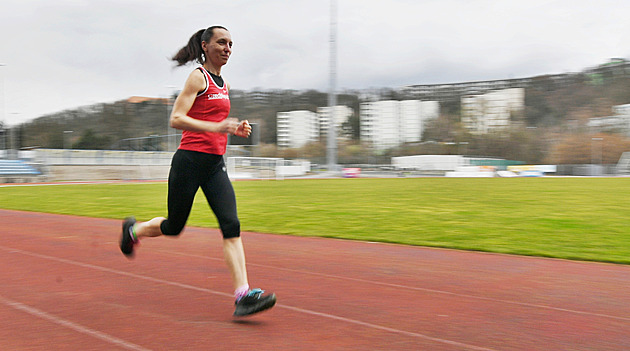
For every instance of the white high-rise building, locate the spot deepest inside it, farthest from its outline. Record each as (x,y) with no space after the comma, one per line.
(296,128)
(484,113)
(413,115)
(380,124)
(389,123)
(410,124)
(342,113)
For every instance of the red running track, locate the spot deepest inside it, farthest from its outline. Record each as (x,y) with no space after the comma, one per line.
(66,286)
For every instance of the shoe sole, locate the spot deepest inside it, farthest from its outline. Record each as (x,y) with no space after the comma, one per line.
(125,238)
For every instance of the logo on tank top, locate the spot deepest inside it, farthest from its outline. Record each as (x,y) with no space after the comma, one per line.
(219,96)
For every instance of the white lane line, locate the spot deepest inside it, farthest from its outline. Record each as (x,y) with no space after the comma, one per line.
(195,288)
(113,271)
(68,324)
(391,330)
(435,291)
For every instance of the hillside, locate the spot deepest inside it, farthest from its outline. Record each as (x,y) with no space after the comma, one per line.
(557,108)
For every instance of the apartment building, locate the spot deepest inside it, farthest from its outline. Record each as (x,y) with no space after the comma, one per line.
(342,113)
(297,128)
(390,123)
(481,114)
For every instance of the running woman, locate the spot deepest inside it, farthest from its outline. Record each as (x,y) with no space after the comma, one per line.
(201,112)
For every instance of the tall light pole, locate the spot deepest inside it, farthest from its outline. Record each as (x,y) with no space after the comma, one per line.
(170,136)
(66,136)
(597,140)
(2,108)
(13,137)
(596,157)
(331,145)
(3,93)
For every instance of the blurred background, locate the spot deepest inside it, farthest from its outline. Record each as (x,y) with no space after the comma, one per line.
(452,87)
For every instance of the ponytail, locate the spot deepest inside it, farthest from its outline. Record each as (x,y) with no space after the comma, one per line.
(193,50)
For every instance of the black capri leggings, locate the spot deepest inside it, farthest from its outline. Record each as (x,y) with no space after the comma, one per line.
(189,171)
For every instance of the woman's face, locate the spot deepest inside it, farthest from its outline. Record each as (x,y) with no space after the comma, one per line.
(219,48)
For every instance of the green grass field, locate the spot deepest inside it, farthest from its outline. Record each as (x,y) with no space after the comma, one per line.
(573,218)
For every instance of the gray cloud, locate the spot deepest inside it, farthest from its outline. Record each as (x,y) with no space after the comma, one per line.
(62,54)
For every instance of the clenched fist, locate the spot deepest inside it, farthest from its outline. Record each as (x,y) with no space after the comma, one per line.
(244,129)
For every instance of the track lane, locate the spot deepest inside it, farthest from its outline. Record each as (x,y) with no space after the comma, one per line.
(336,293)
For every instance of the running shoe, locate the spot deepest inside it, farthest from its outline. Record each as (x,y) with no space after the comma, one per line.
(126,239)
(254,302)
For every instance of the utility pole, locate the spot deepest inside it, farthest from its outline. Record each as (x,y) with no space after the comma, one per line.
(3,121)
(66,139)
(331,145)
(170,132)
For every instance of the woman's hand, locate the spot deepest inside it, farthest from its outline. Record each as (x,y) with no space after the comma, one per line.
(244,129)
(233,126)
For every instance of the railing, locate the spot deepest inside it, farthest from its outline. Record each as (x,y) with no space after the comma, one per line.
(57,157)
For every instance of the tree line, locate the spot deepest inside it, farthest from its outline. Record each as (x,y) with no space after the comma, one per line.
(551,129)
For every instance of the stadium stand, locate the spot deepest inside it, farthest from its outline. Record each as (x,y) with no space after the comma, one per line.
(17,171)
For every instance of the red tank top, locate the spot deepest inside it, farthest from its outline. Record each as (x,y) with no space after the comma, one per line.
(212,104)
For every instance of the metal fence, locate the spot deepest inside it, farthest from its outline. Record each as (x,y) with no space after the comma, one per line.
(251,166)
(587,170)
(54,157)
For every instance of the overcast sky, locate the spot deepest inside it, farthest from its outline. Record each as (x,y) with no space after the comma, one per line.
(62,54)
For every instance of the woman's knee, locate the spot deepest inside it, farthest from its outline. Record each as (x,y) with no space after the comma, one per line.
(230,228)
(170,228)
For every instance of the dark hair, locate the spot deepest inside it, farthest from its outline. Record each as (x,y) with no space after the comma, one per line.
(193,51)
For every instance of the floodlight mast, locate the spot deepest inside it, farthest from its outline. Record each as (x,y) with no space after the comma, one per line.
(331,145)
(2,116)
(3,125)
